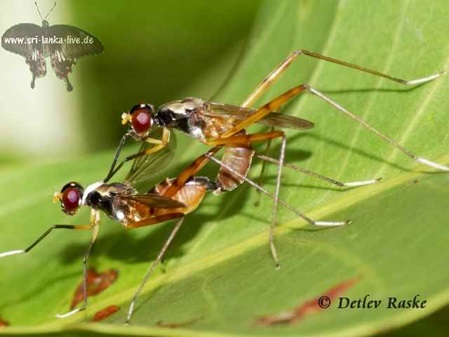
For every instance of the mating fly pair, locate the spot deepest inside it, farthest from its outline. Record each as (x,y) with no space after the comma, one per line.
(223,126)
(218,125)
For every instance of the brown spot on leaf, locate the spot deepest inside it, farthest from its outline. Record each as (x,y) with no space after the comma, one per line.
(308,307)
(96,283)
(105,313)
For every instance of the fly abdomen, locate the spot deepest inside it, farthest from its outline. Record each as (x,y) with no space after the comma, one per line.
(191,194)
(239,159)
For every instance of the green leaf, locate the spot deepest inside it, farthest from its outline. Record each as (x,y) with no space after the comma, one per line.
(219,268)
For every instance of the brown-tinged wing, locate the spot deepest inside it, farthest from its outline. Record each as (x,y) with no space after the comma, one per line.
(273,119)
(286,121)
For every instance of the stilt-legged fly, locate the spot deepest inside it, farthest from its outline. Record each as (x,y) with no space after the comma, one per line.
(171,199)
(124,204)
(224,125)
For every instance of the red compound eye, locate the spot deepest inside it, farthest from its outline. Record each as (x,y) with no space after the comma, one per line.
(141,119)
(71,195)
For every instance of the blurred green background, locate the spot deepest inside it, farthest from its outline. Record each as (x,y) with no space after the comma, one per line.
(155,51)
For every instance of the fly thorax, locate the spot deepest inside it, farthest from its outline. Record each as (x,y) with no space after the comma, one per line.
(185,116)
(108,198)
(122,211)
(122,208)
(92,194)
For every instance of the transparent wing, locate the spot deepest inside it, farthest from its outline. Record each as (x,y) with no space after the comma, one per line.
(155,200)
(148,166)
(286,121)
(273,119)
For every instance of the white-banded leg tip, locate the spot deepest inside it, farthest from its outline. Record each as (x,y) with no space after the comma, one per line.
(331,223)
(12,252)
(432,164)
(361,183)
(426,79)
(70,313)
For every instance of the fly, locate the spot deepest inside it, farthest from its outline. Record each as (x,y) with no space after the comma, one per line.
(224,125)
(171,199)
(122,202)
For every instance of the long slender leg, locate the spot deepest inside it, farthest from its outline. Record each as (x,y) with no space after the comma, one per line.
(263,168)
(247,139)
(95,220)
(153,266)
(272,77)
(392,142)
(159,144)
(276,103)
(112,170)
(147,152)
(272,106)
(319,176)
(266,159)
(45,234)
(282,203)
(276,199)
(266,137)
(202,160)
(190,171)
